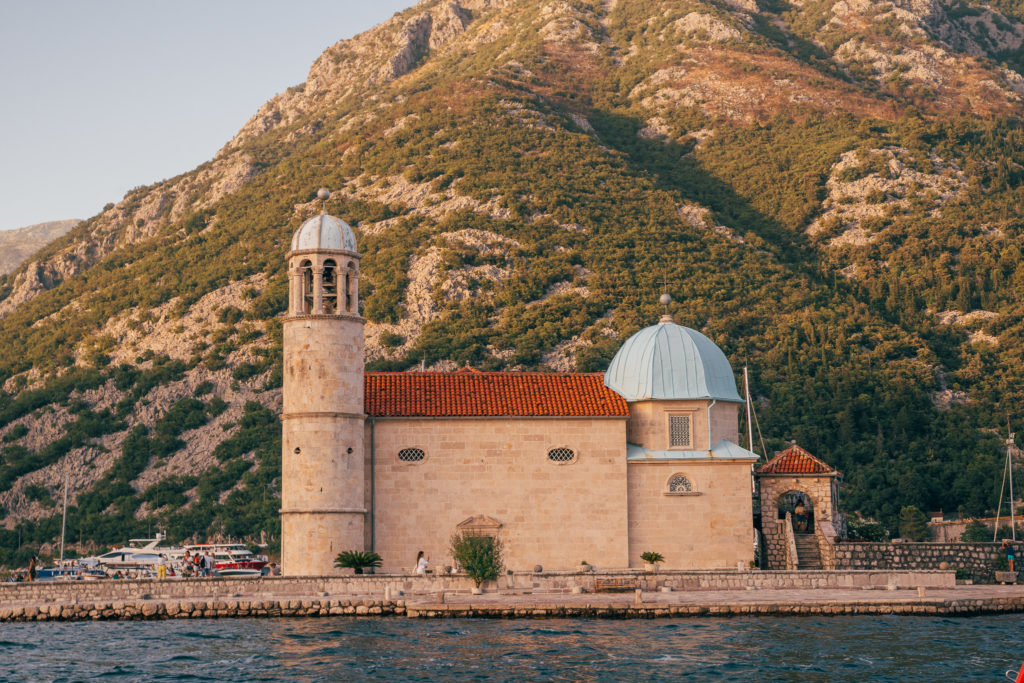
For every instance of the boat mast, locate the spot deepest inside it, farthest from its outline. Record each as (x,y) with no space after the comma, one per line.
(1007,470)
(1009,467)
(750,426)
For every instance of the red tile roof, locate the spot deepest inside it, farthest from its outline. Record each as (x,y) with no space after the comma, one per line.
(490,394)
(795,460)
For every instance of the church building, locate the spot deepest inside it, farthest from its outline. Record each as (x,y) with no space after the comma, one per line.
(561,467)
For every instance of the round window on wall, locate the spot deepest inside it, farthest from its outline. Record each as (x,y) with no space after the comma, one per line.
(411,455)
(561,455)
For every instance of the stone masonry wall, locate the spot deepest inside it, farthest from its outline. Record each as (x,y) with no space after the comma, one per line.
(978,559)
(405,585)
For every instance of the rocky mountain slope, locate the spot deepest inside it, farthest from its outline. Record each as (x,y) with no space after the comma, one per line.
(831,188)
(18,244)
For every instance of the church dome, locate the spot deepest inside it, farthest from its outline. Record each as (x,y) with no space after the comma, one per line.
(324,232)
(671,362)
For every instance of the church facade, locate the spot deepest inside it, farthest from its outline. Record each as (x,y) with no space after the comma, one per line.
(561,467)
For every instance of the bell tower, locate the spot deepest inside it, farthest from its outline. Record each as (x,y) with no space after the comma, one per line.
(322,469)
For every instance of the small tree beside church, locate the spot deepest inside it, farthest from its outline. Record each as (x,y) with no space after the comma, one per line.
(913,524)
(479,556)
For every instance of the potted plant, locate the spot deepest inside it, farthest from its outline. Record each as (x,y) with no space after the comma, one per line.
(651,560)
(479,556)
(357,560)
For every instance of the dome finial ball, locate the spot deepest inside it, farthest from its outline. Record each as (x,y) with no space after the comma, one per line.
(665,299)
(323,193)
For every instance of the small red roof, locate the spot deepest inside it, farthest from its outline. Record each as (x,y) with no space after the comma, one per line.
(490,394)
(795,460)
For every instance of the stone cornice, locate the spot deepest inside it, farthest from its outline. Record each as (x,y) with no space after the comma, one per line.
(336,252)
(314,415)
(324,316)
(322,511)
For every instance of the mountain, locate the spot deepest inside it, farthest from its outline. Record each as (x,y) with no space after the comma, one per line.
(831,190)
(18,244)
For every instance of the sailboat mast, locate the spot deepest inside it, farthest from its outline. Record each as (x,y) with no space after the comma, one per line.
(1009,466)
(750,427)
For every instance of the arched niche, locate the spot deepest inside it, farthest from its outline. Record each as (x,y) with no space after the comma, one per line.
(801,507)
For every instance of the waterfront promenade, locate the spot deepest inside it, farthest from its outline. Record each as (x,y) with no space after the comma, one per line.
(669,594)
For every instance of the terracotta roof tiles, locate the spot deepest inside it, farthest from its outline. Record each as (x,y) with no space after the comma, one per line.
(490,394)
(795,460)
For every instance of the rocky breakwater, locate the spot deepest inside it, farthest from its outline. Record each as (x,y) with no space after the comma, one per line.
(202,609)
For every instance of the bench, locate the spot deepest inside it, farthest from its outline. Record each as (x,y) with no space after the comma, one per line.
(621,585)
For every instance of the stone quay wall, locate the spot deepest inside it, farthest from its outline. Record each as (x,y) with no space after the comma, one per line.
(978,559)
(400,585)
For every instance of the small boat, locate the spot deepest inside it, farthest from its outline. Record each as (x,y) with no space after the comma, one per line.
(238,572)
(70,572)
(230,557)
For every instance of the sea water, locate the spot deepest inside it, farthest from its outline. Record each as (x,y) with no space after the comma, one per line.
(856,648)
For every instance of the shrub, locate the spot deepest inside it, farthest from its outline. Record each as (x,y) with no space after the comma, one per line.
(356,559)
(859,530)
(479,556)
(15,433)
(652,557)
(976,532)
(203,388)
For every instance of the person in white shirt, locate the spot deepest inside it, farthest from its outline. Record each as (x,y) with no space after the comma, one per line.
(421,563)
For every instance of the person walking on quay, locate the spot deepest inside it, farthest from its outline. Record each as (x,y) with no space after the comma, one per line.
(1011,552)
(32,569)
(421,563)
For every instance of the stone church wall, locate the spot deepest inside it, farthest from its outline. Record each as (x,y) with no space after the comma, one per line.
(709,528)
(648,423)
(552,514)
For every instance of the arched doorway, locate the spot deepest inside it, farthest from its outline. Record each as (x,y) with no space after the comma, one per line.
(800,506)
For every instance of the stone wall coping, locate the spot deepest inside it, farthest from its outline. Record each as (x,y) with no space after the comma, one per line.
(966,544)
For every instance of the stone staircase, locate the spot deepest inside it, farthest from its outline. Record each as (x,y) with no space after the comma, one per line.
(808,555)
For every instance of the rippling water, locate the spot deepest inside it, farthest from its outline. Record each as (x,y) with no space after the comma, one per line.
(343,649)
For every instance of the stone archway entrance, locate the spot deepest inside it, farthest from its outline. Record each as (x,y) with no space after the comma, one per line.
(801,507)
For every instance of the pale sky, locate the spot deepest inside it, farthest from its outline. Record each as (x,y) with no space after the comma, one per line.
(99,96)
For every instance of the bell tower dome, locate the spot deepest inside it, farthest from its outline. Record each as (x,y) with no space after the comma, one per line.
(322,468)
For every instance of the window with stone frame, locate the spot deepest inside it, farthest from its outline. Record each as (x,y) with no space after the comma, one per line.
(561,455)
(680,431)
(411,455)
(680,483)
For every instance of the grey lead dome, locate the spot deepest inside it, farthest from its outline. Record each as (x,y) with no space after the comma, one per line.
(671,362)
(324,232)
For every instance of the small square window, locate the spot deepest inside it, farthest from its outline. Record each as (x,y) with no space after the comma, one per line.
(679,434)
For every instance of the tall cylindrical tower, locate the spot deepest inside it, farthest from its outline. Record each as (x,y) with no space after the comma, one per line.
(322,468)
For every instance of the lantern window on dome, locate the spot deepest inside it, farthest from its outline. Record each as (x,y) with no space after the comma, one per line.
(306,269)
(331,286)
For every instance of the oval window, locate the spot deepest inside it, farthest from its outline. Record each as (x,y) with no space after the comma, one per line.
(411,454)
(561,455)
